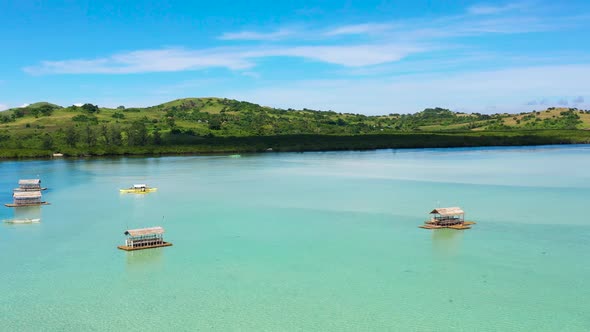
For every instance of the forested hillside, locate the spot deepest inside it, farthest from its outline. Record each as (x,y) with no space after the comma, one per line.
(216,125)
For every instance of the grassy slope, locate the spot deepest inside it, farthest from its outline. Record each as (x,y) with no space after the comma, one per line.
(545,114)
(429,135)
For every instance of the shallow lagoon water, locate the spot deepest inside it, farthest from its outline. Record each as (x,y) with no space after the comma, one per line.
(304,241)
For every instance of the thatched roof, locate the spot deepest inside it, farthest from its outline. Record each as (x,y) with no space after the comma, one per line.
(26,194)
(145,231)
(449,211)
(29,181)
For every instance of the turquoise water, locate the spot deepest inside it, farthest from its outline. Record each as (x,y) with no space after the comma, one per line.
(304,241)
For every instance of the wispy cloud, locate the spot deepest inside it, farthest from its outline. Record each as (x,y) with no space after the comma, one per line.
(162,60)
(169,60)
(366,28)
(506,90)
(392,45)
(469,24)
(371,44)
(3,107)
(348,56)
(486,9)
(261,36)
(479,20)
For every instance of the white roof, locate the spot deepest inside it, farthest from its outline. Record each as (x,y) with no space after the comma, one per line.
(29,181)
(449,211)
(26,194)
(145,231)
(141,185)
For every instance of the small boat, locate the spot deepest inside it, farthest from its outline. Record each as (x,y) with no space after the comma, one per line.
(23,221)
(138,189)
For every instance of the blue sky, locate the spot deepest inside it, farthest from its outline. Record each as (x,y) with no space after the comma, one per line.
(371,57)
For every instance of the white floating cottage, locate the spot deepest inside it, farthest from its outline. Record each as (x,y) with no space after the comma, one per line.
(450,217)
(144,238)
(26,198)
(29,185)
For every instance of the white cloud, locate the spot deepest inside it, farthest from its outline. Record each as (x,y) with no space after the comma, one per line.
(484,9)
(419,29)
(348,56)
(373,43)
(505,90)
(3,107)
(24,105)
(78,104)
(437,77)
(169,60)
(252,35)
(162,60)
(366,28)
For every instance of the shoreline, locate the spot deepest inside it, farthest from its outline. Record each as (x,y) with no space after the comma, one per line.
(316,143)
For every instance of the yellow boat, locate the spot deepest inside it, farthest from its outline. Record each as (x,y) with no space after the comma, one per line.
(138,189)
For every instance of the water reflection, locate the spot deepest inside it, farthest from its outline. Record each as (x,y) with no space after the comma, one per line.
(446,242)
(145,259)
(27,212)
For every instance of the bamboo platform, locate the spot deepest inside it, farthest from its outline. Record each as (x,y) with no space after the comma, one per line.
(464,225)
(126,248)
(23,190)
(30,204)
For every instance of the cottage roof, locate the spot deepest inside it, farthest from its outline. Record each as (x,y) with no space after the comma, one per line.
(449,211)
(145,231)
(28,181)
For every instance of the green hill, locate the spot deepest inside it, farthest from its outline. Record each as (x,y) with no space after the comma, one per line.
(194,125)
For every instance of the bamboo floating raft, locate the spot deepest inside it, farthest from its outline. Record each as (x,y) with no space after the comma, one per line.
(23,189)
(26,204)
(144,238)
(26,198)
(452,217)
(465,225)
(128,248)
